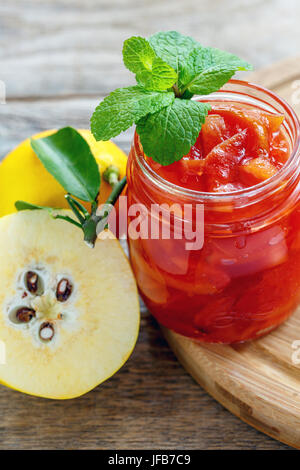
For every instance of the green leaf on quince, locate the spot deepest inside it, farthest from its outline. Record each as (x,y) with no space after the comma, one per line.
(67,157)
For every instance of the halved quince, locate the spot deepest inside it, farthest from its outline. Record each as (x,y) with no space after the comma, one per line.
(69,314)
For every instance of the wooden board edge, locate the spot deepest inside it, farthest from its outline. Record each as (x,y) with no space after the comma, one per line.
(232,402)
(276,74)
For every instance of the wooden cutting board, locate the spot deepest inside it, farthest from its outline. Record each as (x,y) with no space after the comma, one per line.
(258,381)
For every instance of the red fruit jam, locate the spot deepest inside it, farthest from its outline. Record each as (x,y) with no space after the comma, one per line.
(238,147)
(244,170)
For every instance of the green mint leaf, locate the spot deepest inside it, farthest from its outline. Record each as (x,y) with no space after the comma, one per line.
(151,71)
(160,78)
(168,134)
(173,48)
(138,55)
(67,156)
(170,68)
(208,69)
(124,107)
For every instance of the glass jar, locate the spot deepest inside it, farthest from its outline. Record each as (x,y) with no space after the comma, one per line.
(244,279)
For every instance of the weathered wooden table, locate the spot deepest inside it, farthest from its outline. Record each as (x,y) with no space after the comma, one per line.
(57,58)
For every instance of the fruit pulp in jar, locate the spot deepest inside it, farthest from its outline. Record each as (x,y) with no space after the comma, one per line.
(237,147)
(244,284)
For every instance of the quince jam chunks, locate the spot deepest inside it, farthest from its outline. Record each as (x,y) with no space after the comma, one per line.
(237,147)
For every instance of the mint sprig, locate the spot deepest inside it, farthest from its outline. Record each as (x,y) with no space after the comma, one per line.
(169,68)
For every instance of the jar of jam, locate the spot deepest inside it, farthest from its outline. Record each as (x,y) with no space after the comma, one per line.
(243,172)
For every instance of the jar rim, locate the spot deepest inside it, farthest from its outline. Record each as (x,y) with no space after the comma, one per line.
(252,191)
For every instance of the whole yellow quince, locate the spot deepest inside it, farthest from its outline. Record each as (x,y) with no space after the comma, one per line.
(23,177)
